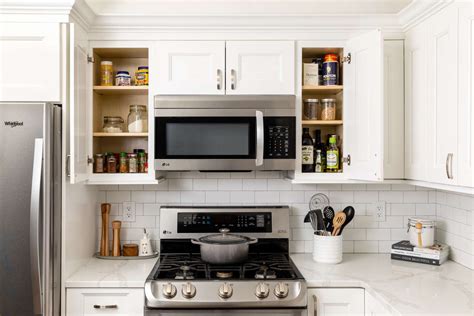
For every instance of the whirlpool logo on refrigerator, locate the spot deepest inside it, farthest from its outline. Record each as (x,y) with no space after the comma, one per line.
(13,124)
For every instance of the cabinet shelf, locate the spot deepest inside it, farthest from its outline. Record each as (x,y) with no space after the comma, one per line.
(102,134)
(322,90)
(320,122)
(117,90)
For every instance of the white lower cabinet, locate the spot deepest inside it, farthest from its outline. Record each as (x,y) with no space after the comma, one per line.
(373,307)
(105,301)
(336,301)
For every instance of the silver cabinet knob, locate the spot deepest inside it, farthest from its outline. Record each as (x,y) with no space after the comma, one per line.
(225,290)
(281,290)
(169,290)
(188,290)
(262,290)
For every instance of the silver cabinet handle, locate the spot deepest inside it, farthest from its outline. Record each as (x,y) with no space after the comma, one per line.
(105,306)
(260,138)
(449,166)
(35,235)
(315,304)
(219,79)
(233,83)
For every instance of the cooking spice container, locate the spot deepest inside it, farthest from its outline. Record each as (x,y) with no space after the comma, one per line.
(111,163)
(141,76)
(311,107)
(328,109)
(137,119)
(132,163)
(123,78)
(123,163)
(421,231)
(106,73)
(98,163)
(141,162)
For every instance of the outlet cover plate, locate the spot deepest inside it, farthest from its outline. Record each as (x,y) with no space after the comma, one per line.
(379,211)
(129,211)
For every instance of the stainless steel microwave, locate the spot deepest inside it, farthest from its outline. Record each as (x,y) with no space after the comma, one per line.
(224,133)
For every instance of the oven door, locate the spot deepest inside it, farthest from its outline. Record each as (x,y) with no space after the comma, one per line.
(208,139)
(227,312)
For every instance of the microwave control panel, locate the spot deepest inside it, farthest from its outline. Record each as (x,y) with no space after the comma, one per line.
(279,138)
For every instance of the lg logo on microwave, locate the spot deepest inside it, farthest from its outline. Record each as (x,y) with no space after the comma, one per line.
(165,164)
(13,124)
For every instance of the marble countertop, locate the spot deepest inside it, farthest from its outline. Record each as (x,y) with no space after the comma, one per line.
(112,273)
(402,287)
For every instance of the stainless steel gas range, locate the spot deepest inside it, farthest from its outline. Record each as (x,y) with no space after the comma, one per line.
(267,283)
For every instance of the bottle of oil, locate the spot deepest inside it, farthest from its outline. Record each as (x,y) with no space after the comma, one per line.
(319,153)
(307,152)
(332,155)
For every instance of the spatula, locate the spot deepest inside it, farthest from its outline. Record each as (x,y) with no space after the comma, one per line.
(337,222)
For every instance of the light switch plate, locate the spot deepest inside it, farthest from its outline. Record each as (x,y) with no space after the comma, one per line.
(129,211)
(379,211)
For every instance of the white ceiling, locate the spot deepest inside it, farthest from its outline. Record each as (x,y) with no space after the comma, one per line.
(245,7)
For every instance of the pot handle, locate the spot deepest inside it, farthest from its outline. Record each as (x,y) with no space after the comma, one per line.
(252,241)
(196,242)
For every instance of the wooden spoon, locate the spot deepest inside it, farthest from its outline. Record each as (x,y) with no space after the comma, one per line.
(419,227)
(338,221)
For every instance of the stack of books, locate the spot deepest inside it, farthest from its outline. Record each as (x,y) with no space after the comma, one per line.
(434,255)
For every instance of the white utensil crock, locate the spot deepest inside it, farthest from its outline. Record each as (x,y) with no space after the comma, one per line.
(327,249)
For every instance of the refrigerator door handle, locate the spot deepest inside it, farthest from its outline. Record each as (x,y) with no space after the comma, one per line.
(35,237)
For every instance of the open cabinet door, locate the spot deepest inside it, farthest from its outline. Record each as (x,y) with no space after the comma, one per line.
(363,107)
(79,109)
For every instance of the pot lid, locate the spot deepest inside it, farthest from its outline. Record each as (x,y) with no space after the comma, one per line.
(224,238)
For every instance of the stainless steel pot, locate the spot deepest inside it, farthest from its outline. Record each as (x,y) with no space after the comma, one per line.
(224,248)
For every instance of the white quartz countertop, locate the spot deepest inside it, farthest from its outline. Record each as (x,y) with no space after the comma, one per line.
(112,273)
(402,287)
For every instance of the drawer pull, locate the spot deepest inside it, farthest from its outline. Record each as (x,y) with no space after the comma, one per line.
(105,306)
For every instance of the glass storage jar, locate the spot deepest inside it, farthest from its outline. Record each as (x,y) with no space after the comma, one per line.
(328,109)
(137,119)
(311,109)
(113,124)
(106,73)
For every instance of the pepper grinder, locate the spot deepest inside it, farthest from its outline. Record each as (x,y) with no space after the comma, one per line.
(116,225)
(104,241)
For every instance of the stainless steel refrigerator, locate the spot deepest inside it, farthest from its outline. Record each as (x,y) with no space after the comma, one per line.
(30,208)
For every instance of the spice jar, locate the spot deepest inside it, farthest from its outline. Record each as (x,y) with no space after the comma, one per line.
(141,162)
(113,124)
(328,109)
(106,73)
(123,166)
(311,109)
(98,163)
(137,119)
(123,78)
(111,163)
(141,76)
(132,163)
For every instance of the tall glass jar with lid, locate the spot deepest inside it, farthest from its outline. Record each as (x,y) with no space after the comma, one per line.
(137,119)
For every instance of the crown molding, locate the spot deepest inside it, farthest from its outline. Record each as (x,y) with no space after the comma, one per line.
(30,7)
(82,14)
(418,11)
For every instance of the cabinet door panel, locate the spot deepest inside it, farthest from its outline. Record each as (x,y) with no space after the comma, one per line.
(393,110)
(190,67)
(363,107)
(30,62)
(442,110)
(340,301)
(416,103)
(260,67)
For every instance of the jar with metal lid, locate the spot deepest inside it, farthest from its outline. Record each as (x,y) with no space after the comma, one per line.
(141,162)
(123,163)
(137,119)
(98,163)
(111,164)
(328,109)
(310,109)
(123,78)
(106,73)
(132,163)
(113,124)
(330,69)
(141,76)
(421,231)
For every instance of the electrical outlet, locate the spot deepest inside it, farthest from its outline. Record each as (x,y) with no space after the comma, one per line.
(128,210)
(379,211)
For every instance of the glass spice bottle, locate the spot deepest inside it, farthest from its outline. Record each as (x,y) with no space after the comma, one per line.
(132,163)
(99,163)
(141,162)
(123,166)
(111,164)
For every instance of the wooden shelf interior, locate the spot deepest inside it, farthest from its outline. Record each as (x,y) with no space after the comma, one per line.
(106,90)
(320,122)
(102,134)
(322,90)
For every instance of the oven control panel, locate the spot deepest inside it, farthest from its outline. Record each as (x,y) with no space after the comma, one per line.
(279,138)
(245,222)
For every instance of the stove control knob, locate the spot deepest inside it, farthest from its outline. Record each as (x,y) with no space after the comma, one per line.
(188,290)
(169,290)
(281,290)
(225,291)
(262,290)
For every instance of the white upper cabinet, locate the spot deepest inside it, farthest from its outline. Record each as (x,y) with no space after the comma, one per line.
(442,98)
(363,107)
(190,67)
(416,103)
(263,67)
(30,62)
(393,110)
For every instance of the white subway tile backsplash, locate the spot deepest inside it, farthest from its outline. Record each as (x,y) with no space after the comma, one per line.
(378,234)
(291,197)
(244,197)
(278,185)
(151,209)
(118,196)
(267,197)
(143,196)
(366,196)
(217,197)
(193,197)
(229,184)
(254,184)
(205,184)
(391,196)
(366,246)
(341,196)
(180,184)
(302,233)
(163,197)
(415,197)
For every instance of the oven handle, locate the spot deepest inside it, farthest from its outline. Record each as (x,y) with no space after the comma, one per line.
(260,138)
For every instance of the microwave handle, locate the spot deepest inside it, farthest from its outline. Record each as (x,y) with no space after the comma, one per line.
(260,138)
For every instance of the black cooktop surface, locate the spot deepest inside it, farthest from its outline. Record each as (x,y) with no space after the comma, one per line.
(189,266)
